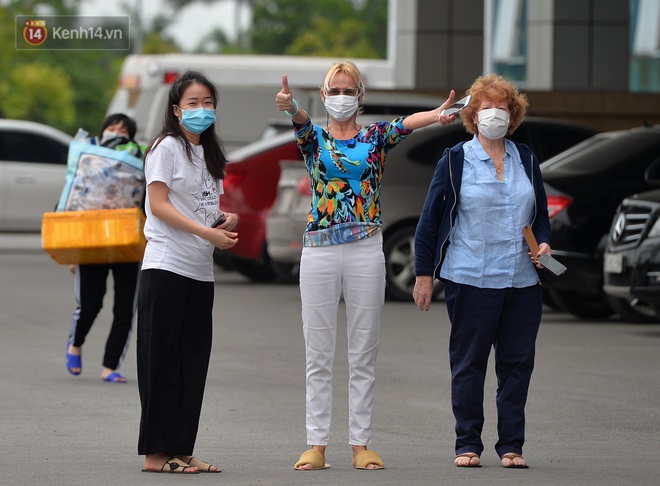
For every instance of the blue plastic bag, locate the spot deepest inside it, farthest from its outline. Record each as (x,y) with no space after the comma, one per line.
(101,178)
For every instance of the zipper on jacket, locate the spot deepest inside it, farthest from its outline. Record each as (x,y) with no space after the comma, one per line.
(451,220)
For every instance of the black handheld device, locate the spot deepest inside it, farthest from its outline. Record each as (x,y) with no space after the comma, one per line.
(221,219)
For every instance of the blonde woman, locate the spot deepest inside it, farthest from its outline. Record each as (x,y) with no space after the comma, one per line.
(343,253)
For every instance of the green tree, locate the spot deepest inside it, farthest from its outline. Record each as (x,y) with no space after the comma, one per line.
(6,39)
(64,89)
(26,7)
(94,79)
(50,102)
(154,43)
(373,15)
(351,28)
(346,38)
(217,42)
(276,24)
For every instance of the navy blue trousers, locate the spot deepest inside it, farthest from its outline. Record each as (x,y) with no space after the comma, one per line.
(508,321)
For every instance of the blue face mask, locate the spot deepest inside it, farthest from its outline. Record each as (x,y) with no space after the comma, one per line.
(196,120)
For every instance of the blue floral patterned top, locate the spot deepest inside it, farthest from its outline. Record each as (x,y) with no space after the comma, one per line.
(345,177)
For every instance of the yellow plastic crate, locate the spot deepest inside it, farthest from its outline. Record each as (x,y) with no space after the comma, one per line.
(94,236)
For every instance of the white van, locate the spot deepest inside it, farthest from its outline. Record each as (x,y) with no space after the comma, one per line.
(247,85)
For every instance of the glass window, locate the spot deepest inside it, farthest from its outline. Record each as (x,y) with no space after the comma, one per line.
(509,52)
(20,146)
(625,157)
(646,16)
(645,42)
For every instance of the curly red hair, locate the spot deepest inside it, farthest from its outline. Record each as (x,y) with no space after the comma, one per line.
(494,87)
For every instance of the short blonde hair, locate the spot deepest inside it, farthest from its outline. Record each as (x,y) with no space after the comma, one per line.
(493,87)
(345,67)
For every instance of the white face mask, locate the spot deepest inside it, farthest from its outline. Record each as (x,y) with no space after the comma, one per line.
(341,107)
(107,136)
(493,123)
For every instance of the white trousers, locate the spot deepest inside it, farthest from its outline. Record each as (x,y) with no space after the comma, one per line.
(357,270)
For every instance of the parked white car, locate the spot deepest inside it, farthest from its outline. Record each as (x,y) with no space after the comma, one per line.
(32,171)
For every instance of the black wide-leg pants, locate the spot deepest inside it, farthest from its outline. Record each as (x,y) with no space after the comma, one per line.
(173,351)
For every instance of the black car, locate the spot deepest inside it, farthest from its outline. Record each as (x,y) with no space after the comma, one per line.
(584,186)
(632,259)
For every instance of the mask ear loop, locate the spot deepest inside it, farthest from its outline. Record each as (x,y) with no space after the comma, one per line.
(327,116)
(181,111)
(360,96)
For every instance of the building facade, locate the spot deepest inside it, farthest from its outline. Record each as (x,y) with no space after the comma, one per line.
(591,61)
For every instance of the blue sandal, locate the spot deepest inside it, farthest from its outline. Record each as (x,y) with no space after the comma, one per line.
(73,361)
(114,377)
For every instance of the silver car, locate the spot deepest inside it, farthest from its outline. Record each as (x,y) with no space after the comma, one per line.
(408,171)
(33,160)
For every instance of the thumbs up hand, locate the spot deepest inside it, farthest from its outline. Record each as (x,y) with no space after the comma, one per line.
(284,100)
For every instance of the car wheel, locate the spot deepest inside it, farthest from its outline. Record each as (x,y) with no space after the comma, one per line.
(581,305)
(287,273)
(399,252)
(634,311)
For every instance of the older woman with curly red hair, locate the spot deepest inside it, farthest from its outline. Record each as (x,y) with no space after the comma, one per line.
(470,236)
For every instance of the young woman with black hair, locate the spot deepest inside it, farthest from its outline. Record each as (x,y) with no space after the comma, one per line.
(184,168)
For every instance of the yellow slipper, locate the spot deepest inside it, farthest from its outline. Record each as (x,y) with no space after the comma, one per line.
(364,458)
(315,458)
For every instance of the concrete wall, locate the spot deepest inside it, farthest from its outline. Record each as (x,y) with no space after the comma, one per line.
(449,42)
(437,43)
(578,57)
(590,41)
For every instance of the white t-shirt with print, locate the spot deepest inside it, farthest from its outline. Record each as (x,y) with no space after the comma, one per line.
(196,195)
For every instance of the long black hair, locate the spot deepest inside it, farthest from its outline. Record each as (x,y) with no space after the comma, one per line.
(214,154)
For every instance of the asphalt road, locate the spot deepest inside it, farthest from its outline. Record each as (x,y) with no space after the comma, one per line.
(593,415)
